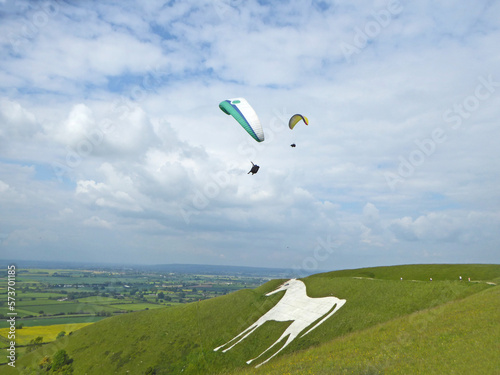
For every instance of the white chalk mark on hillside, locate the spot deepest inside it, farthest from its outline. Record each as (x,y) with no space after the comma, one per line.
(295,306)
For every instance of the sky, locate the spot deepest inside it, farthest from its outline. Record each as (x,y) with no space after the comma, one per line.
(113,148)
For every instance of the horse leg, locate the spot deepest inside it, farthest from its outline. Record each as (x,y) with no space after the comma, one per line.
(248,331)
(288,341)
(286,333)
(338,305)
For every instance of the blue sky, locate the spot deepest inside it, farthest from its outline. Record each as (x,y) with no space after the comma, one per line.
(113,148)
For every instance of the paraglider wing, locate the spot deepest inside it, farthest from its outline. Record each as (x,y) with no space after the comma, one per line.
(245,115)
(295,119)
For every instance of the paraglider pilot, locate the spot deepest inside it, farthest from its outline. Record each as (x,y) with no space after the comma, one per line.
(255,168)
(293,145)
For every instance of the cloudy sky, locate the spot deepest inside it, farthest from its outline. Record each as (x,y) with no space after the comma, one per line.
(113,147)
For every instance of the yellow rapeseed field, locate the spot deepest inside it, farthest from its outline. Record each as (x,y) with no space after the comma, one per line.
(49,333)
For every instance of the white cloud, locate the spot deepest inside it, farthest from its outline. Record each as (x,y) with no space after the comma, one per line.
(96,221)
(447,226)
(76,127)
(3,187)
(104,195)
(15,121)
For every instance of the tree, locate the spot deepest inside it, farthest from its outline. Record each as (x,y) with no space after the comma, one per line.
(61,362)
(61,334)
(34,344)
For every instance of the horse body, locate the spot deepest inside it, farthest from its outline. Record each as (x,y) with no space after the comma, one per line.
(294,306)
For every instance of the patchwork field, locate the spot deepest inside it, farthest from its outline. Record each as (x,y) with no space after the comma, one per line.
(47,297)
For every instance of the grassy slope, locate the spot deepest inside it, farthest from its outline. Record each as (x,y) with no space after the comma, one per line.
(423,272)
(459,337)
(182,338)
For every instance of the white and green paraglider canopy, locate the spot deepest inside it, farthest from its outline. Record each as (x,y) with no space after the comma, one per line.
(245,115)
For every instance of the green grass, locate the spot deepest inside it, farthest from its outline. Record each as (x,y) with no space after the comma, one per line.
(28,295)
(459,337)
(423,272)
(135,306)
(64,307)
(385,324)
(27,303)
(98,300)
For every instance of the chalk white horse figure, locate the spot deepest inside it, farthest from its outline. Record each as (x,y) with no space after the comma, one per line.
(294,306)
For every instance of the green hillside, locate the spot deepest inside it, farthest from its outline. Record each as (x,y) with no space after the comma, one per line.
(423,272)
(384,319)
(460,337)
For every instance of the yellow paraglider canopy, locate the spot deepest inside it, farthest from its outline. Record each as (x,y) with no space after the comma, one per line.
(295,119)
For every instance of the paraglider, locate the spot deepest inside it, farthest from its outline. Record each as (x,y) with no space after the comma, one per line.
(255,169)
(295,119)
(245,115)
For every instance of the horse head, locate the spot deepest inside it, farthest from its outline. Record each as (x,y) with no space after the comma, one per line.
(286,285)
